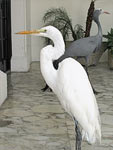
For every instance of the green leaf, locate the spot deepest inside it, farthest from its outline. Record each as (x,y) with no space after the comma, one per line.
(109,38)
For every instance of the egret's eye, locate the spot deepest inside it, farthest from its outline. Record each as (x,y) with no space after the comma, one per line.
(100,9)
(45,30)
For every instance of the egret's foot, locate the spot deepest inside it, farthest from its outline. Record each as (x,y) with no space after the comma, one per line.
(95,92)
(45,88)
(50,90)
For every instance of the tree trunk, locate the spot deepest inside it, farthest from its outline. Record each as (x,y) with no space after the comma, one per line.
(89,18)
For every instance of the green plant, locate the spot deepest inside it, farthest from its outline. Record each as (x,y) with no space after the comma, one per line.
(78,29)
(109,41)
(59,18)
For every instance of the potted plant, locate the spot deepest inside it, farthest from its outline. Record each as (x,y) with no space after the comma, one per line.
(109,43)
(59,18)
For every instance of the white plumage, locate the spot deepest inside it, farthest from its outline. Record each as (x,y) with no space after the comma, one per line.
(71,85)
(76,96)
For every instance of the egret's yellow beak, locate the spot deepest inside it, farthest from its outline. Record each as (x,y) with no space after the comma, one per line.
(32,32)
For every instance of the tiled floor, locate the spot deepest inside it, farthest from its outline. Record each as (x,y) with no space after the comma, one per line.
(33,120)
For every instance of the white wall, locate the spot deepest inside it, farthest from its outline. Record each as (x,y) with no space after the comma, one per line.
(20,16)
(28,27)
(77,10)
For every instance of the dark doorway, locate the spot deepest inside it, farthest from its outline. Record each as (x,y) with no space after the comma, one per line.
(5,35)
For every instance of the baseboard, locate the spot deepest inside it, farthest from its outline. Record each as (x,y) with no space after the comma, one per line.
(3,87)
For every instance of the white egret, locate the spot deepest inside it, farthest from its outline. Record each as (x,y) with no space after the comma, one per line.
(71,85)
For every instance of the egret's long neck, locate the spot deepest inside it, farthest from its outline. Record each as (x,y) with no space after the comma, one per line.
(48,54)
(47,69)
(58,45)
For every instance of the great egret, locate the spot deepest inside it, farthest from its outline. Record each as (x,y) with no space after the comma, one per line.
(71,85)
(84,47)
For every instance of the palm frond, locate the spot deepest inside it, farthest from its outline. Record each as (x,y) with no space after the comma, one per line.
(78,29)
(59,18)
(54,13)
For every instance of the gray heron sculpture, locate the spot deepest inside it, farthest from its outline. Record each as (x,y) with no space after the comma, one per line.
(83,47)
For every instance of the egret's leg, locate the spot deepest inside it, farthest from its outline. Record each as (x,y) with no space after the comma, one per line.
(78,136)
(45,88)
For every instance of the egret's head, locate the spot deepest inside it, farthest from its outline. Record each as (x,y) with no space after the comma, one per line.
(48,31)
(97,12)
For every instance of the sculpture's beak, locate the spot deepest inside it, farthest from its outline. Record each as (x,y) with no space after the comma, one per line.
(106,12)
(32,32)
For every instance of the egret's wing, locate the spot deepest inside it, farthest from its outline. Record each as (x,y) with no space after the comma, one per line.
(76,94)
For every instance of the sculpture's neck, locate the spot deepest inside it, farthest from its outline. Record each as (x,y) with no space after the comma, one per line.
(99,27)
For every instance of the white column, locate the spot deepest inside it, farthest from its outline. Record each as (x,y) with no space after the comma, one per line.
(3,87)
(20,43)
